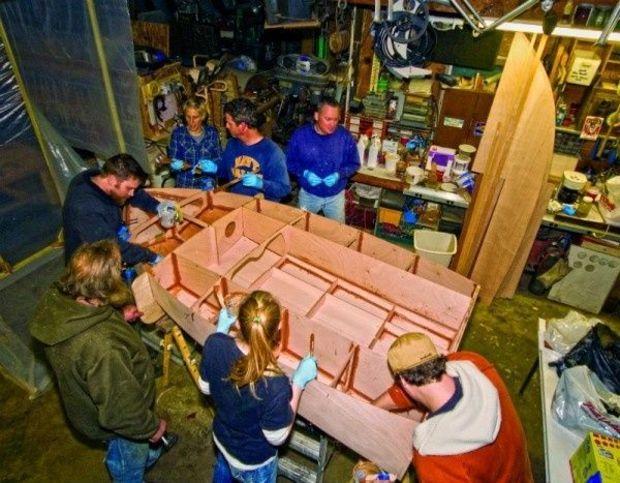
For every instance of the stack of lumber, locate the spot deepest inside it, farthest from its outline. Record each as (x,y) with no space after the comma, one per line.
(513,162)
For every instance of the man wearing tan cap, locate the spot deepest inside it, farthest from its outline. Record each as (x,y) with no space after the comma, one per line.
(472,432)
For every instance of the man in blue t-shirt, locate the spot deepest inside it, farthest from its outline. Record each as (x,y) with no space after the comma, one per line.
(257,160)
(323,156)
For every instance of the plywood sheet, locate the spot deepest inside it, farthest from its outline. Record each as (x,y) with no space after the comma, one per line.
(524,180)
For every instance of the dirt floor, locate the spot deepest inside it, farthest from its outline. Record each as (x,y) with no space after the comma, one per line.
(36,443)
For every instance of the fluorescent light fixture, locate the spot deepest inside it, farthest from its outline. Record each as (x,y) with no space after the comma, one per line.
(559,31)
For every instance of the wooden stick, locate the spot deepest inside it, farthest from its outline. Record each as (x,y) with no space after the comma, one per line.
(189,362)
(352,350)
(167,348)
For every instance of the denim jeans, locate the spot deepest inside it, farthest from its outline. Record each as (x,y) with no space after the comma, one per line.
(332,206)
(224,473)
(127,460)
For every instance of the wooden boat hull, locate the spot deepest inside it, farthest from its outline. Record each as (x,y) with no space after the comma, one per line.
(349,291)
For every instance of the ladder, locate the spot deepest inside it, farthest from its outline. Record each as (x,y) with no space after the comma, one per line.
(316,448)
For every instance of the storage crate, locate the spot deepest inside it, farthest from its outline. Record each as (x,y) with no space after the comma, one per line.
(435,245)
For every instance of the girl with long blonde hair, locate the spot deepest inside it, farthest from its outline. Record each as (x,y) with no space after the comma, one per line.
(255,401)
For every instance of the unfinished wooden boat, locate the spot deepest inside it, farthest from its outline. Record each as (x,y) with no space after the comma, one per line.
(349,291)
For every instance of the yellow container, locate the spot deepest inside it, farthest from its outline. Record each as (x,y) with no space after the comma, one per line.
(596,459)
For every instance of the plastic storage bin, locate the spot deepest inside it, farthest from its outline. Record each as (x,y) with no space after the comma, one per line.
(435,245)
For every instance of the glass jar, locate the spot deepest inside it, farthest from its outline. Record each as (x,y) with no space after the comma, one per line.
(585,206)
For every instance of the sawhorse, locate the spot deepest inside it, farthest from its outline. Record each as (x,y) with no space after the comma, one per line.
(172,333)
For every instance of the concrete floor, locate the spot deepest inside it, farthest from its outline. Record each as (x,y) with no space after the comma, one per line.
(36,443)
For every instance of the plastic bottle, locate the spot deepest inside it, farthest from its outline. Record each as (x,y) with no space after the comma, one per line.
(362,143)
(373,152)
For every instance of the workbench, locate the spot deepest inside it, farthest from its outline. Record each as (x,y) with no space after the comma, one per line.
(594,225)
(560,442)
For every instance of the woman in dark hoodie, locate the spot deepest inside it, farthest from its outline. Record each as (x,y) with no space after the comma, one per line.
(104,372)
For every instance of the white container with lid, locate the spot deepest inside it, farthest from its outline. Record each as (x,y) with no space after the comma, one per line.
(574,180)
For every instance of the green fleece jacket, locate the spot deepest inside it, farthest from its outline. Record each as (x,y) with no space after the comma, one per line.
(104,371)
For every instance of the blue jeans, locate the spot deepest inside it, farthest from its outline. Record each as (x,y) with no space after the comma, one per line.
(224,473)
(127,460)
(332,206)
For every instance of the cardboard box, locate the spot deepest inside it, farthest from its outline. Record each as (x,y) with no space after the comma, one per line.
(596,460)
(583,67)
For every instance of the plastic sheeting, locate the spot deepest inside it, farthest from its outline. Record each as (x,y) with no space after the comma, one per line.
(29,202)
(56,52)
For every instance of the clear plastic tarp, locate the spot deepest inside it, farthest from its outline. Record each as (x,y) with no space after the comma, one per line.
(63,64)
(29,199)
(65,101)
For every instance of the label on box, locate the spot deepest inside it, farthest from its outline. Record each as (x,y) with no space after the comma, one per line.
(453,122)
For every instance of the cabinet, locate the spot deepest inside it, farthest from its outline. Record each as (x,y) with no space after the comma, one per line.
(462,117)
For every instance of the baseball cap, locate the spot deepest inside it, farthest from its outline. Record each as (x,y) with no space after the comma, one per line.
(409,351)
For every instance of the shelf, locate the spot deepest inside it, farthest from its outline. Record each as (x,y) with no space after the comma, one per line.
(302,24)
(569,130)
(438,196)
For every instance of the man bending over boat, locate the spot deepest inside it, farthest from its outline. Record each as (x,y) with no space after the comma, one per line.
(92,208)
(472,432)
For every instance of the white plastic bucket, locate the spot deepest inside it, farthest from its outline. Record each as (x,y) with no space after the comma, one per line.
(435,245)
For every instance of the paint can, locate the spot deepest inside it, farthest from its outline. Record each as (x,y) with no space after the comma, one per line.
(572,184)
(461,164)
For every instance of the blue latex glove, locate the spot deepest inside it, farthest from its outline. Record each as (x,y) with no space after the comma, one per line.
(225,321)
(252,181)
(306,371)
(312,178)
(332,179)
(207,166)
(156,260)
(176,165)
(122,234)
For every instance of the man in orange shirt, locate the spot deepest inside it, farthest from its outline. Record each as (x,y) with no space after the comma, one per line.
(472,432)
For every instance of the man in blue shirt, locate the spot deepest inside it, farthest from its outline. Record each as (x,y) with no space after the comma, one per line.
(257,160)
(323,156)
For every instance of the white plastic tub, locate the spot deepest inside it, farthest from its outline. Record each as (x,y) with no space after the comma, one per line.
(435,245)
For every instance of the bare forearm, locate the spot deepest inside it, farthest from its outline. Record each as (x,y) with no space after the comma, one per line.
(297,391)
(384,401)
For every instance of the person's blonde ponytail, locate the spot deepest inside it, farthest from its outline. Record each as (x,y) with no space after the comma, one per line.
(259,322)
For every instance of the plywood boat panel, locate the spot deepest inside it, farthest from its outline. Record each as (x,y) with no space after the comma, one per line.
(331,348)
(294,293)
(228,231)
(386,252)
(329,229)
(370,440)
(357,324)
(248,274)
(312,276)
(259,228)
(145,300)
(362,299)
(418,324)
(284,213)
(233,254)
(431,300)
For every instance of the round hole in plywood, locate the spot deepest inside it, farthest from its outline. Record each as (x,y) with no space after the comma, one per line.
(230,229)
